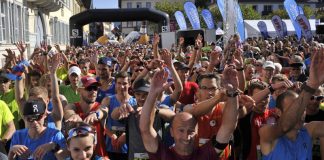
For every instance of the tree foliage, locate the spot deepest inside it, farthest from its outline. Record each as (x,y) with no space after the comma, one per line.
(249,13)
(280,12)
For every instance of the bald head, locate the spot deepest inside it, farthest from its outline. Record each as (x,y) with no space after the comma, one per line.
(184,118)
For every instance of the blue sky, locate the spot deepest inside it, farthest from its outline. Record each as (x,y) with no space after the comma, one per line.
(105,4)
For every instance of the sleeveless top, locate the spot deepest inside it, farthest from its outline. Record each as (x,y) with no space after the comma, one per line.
(285,149)
(117,127)
(100,148)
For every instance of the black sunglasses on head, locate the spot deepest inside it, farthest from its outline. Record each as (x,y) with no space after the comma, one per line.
(317,98)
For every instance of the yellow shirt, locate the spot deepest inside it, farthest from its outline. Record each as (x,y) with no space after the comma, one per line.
(5,117)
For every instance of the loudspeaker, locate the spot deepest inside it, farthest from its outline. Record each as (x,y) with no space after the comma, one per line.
(320,29)
(190,36)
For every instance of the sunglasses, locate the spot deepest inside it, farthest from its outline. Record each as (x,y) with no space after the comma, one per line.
(91,88)
(32,118)
(81,131)
(317,98)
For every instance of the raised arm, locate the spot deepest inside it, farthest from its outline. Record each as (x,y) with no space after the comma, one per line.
(205,106)
(57,112)
(230,112)
(290,117)
(258,97)
(156,42)
(149,135)
(167,57)
(19,92)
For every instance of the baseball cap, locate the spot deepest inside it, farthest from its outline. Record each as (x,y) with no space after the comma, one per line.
(180,66)
(297,61)
(87,81)
(34,107)
(268,64)
(141,86)
(74,69)
(105,60)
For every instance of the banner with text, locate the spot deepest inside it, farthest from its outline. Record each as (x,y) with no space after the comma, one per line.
(305,26)
(208,18)
(293,11)
(192,14)
(180,20)
(263,29)
(278,25)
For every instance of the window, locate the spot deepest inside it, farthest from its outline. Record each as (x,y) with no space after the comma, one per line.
(281,6)
(19,28)
(255,7)
(2,22)
(267,8)
(26,27)
(129,4)
(148,4)
(130,24)
(138,4)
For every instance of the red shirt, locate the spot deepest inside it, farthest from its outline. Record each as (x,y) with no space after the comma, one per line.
(208,126)
(257,121)
(188,93)
(205,152)
(101,146)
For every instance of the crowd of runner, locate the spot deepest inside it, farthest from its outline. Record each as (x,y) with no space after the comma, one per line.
(251,100)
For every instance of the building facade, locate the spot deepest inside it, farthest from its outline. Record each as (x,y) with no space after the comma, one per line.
(35,21)
(131,26)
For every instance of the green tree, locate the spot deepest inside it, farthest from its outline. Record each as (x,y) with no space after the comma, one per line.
(280,12)
(249,13)
(169,7)
(308,11)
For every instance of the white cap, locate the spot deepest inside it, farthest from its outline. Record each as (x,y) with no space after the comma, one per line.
(75,69)
(268,64)
(218,49)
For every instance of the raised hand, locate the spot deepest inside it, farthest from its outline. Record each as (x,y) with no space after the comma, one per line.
(156,39)
(159,81)
(166,57)
(21,47)
(230,79)
(316,73)
(54,62)
(214,57)
(181,41)
(247,101)
(199,41)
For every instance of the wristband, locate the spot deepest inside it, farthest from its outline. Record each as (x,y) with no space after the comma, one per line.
(308,88)
(271,89)
(232,93)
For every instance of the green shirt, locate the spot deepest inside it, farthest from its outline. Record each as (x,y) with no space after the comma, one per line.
(71,96)
(9,99)
(5,117)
